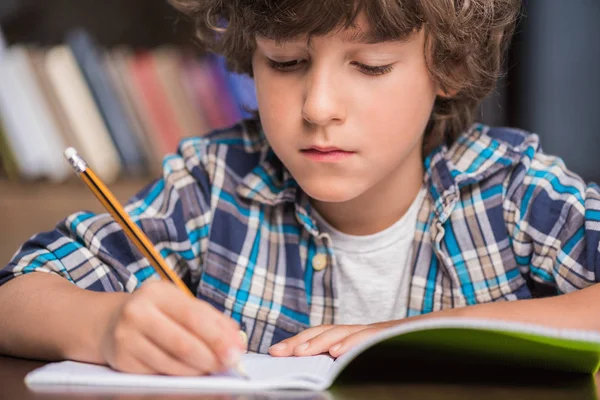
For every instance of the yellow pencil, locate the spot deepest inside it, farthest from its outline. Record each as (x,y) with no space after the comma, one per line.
(133,232)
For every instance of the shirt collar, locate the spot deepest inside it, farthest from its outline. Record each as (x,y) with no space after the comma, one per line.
(269,182)
(473,157)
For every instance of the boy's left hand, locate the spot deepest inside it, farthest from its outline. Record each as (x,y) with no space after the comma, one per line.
(332,339)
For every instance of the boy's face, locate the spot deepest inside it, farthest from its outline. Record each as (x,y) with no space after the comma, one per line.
(345,117)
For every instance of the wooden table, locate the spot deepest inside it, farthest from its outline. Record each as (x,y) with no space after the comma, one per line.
(437,386)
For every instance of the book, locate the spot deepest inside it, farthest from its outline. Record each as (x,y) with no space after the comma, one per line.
(169,72)
(244,91)
(205,96)
(222,88)
(7,158)
(28,163)
(117,62)
(92,66)
(84,118)
(478,344)
(30,128)
(158,110)
(38,61)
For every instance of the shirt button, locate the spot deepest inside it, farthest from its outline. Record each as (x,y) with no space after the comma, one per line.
(319,262)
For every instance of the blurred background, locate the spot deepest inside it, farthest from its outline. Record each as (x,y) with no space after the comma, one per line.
(124,81)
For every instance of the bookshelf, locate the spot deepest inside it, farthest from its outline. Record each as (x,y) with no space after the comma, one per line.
(28,206)
(123,82)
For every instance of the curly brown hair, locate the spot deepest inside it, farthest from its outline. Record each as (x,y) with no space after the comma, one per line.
(466,40)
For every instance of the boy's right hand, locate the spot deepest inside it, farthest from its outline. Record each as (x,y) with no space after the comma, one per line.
(158,329)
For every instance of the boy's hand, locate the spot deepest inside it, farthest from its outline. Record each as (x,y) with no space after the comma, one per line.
(332,339)
(160,330)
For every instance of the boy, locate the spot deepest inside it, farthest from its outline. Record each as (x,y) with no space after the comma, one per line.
(361,198)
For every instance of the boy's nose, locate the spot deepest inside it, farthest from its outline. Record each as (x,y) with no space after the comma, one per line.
(322,102)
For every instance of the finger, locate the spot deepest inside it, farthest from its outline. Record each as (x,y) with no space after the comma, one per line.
(159,361)
(131,365)
(219,332)
(351,341)
(179,343)
(286,347)
(321,343)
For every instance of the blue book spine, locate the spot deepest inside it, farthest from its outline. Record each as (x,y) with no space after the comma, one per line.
(92,66)
(242,89)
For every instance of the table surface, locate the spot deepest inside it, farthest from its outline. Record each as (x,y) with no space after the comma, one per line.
(442,386)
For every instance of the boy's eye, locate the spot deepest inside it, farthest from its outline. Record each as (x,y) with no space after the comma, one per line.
(373,69)
(286,66)
(289,66)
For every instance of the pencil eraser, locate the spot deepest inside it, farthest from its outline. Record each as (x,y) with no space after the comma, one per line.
(70,152)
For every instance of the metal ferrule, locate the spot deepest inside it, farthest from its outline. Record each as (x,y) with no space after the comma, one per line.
(78,163)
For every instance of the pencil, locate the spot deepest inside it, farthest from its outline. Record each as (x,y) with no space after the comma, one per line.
(133,232)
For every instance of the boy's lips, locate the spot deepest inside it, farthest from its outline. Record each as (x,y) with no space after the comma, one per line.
(326,154)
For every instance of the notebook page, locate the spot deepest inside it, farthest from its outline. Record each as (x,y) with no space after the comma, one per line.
(264,367)
(265,373)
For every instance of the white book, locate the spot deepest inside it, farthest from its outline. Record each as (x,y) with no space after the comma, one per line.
(30,128)
(84,117)
(495,342)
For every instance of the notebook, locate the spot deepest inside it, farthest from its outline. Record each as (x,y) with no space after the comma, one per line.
(474,342)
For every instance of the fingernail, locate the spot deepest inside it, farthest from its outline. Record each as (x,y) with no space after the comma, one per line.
(335,348)
(278,347)
(302,347)
(243,338)
(233,357)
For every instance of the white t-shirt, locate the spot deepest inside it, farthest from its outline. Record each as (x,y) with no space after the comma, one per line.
(372,272)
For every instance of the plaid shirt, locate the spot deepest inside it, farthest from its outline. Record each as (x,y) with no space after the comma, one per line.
(502,221)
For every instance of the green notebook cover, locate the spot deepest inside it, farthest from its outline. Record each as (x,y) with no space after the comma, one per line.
(469,346)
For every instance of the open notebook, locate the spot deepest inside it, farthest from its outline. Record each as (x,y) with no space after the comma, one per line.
(471,341)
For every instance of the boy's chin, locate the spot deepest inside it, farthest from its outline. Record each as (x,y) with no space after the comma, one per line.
(331,193)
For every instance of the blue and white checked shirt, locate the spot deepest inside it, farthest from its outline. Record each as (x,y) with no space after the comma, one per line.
(502,221)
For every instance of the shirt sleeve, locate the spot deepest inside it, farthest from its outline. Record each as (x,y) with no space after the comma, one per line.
(93,252)
(553,217)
